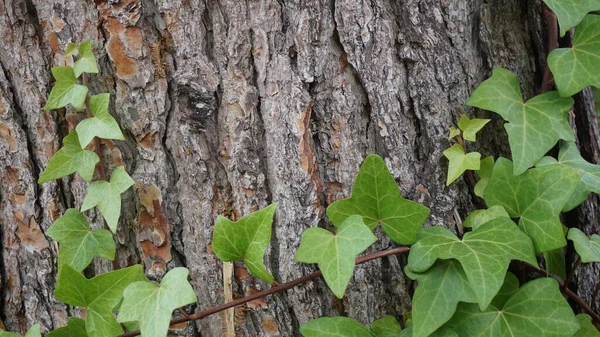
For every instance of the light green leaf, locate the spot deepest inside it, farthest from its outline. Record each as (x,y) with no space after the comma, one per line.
(570,12)
(66,90)
(459,162)
(542,192)
(75,328)
(537,309)
(102,125)
(509,288)
(470,127)
(71,49)
(34,331)
(577,67)
(107,195)
(335,254)
(586,328)
(555,262)
(376,197)
(441,332)
(484,253)
(334,327)
(78,244)
(246,239)
(152,305)
(100,295)
(481,216)
(86,62)
(437,295)
(587,248)
(453,132)
(534,127)
(386,326)
(69,159)
(484,173)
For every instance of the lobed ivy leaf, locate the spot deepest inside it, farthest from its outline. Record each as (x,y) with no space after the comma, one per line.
(484,253)
(34,331)
(577,67)
(102,125)
(100,294)
(86,62)
(246,239)
(485,172)
(75,328)
(587,248)
(78,244)
(441,332)
(555,262)
(152,305)
(335,254)
(437,295)
(533,127)
(570,12)
(334,327)
(376,197)
(453,132)
(71,49)
(66,90)
(586,328)
(459,162)
(536,197)
(509,288)
(537,309)
(470,127)
(107,196)
(69,159)
(481,216)
(386,326)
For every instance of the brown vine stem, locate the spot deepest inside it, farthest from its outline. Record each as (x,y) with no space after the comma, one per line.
(572,271)
(551,44)
(273,290)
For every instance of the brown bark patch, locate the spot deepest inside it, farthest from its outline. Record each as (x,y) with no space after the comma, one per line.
(30,235)
(7,134)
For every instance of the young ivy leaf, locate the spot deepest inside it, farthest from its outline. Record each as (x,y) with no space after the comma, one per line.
(587,248)
(586,328)
(100,295)
(70,158)
(481,216)
(537,309)
(453,132)
(334,327)
(86,62)
(34,331)
(437,295)
(534,127)
(376,197)
(75,328)
(107,195)
(66,90)
(570,12)
(484,253)
(102,125)
(577,67)
(152,305)
(246,239)
(78,244)
(335,254)
(555,262)
(470,127)
(459,162)
(71,49)
(386,326)
(485,172)
(542,192)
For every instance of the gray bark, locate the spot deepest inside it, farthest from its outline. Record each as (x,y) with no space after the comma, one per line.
(228,105)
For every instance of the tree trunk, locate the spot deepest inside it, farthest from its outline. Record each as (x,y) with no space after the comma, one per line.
(228,105)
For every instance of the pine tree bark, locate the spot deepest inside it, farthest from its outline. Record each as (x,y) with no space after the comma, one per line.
(229,105)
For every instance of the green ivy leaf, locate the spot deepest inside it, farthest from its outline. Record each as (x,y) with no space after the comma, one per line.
(75,328)
(100,295)
(34,331)
(534,127)
(435,299)
(481,216)
(246,239)
(587,248)
(107,195)
(586,328)
(537,309)
(69,159)
(485,172)
(71,49)
(66,90)
(570,12)
(470,127)
(87,61)
(335,254)
(542,192)
(441,332)
(453,132)
(509,288)
(78,244)
(376,197)
(459,162)
(386,326)
(102,125)
(484,253)
(555,262)
(152,305)
(577,67)
(334,327)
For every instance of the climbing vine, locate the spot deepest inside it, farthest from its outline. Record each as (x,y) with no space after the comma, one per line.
(465,284)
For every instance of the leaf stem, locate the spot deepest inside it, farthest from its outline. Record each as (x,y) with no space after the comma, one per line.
(572,271)
(273,290)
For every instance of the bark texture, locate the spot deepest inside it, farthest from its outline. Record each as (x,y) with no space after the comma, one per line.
(228,105)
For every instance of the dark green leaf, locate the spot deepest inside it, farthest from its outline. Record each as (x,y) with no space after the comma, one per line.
(334,327)
(75,328)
